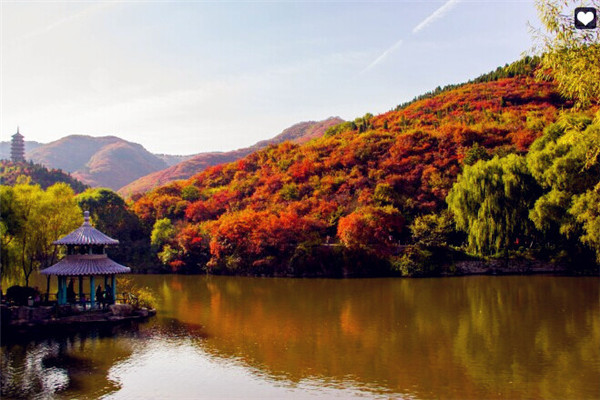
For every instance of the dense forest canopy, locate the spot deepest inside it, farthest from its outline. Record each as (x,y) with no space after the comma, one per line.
(39,174)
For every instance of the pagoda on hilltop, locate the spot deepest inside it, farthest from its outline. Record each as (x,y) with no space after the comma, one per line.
(17,148)
(86,258)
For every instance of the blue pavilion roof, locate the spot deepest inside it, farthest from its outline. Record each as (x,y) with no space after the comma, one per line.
(86,264)
(86,234)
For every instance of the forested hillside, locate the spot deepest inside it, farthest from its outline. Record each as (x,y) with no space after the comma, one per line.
(38,174)
(370,196)
(297,133)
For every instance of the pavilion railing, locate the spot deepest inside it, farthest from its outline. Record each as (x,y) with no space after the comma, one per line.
(85,301)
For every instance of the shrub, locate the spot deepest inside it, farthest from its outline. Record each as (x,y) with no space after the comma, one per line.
(136,296)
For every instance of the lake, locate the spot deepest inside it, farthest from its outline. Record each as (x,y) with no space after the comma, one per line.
(237,338)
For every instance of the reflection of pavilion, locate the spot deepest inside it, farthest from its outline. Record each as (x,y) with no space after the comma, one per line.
(86,257)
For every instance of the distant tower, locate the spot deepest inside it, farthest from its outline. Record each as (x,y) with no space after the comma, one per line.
(17,148)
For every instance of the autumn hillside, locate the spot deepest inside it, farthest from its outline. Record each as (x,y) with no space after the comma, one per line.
(297,133)
(285,210)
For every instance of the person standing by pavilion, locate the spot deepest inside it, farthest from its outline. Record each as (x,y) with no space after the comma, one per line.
(71,293)
(108,295)
(100,296)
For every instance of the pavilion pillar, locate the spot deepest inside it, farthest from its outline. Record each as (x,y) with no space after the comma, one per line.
(92,292)
(62,290)
(81,291)
(48,288)
(59,292)
(113,285)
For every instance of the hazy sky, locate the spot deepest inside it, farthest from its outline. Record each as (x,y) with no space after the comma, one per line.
(186,77)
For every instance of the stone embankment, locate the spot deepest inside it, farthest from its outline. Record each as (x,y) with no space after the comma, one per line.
(23,318)
(501,267)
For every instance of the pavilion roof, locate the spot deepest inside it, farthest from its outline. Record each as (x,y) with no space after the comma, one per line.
(86,264)
(86,234)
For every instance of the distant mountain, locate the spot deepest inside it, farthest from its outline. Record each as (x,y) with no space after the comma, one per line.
(173,159)
(5,148)
(299,133)
(106,161)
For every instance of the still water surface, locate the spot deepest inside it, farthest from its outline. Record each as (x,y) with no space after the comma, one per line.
(230,337)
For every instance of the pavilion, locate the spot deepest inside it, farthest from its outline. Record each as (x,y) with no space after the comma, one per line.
(86,257)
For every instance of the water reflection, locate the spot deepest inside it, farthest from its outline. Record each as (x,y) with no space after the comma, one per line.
(215,337)
(24,373)
(492,337)
(37,366)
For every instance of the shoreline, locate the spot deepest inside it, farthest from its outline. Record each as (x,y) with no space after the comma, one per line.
(25,319)
(501,267)
(495,267)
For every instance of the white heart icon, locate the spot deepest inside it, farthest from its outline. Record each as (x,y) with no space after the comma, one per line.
(585,17)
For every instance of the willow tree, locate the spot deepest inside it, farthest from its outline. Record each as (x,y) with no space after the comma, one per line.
(565,161)
(491,201)
(10,224)
(37,218)
(569,56)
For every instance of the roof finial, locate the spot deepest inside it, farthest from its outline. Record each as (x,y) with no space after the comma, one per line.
(86,218)
(17,128)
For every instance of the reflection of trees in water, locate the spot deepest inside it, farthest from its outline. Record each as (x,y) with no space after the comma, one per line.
(544,338)
(374,331)
(24,374)
(72,365)
(475,337)
(463,337)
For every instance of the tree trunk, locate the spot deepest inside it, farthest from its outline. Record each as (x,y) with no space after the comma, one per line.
(48,288)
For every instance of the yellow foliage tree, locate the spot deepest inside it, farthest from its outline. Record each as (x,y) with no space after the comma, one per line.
(569,56)
(37,218)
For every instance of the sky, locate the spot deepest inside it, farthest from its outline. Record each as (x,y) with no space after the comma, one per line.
(193,76)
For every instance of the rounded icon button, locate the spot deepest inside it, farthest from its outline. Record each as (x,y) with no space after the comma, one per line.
(585,18)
